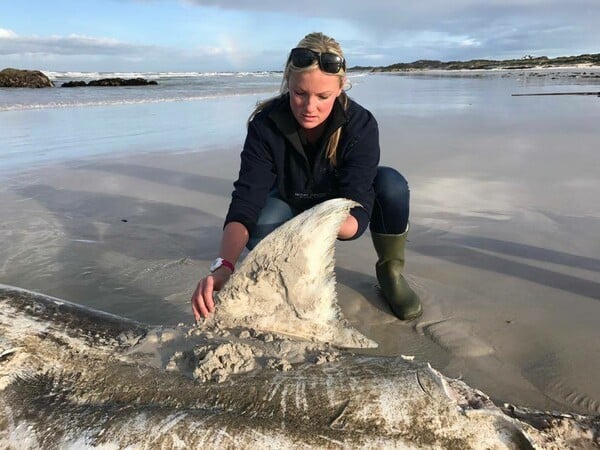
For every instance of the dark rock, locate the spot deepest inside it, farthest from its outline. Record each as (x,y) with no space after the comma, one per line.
(111,82)
(139,82)
(107,82)
(24,78)
(121,82)
(74,84)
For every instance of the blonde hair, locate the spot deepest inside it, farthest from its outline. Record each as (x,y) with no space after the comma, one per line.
(320,43)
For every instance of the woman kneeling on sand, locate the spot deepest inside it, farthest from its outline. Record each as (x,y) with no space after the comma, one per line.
(307,145)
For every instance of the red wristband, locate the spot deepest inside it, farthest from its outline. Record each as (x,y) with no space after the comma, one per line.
(221,262)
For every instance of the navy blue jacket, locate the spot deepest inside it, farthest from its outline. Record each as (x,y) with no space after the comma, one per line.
(273,157)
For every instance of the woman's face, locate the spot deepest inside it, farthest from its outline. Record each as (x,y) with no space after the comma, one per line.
(312,95)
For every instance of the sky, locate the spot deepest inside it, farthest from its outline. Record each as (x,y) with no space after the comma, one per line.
(245,35)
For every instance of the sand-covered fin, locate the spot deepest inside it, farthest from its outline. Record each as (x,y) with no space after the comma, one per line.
(287,283)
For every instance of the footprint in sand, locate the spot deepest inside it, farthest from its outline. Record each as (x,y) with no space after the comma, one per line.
(455,335)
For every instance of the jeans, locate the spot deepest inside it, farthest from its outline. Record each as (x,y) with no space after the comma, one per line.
(389,216)
(392,198)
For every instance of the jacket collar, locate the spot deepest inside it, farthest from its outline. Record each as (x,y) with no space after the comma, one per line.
(283,118)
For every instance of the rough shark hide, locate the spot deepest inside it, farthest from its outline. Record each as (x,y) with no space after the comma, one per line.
(71,377)
(287,286)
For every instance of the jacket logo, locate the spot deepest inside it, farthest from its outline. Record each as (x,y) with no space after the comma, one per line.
(310,196)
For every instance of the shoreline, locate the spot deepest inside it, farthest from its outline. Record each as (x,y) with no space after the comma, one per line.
(491,69)
(545,71)
(511,64)
(57,75)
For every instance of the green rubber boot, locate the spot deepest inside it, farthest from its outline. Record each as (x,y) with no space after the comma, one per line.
(402,299)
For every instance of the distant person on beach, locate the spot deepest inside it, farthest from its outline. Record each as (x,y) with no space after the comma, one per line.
(309,144)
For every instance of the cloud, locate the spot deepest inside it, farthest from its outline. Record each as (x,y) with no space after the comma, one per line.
(242,35)
(472,28)
(85,50)
(7,34)
(424,14)
(13,44)
(74,44)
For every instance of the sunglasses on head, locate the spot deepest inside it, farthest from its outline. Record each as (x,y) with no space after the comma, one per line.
(328,62)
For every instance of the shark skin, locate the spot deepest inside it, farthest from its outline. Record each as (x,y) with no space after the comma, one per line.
(72,377)
(287,284)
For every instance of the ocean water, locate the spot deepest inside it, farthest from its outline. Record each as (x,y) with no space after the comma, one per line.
(172,87)
(195,111)
(185,111)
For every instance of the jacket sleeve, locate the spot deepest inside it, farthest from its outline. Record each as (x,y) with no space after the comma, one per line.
(256,178)
(358,169)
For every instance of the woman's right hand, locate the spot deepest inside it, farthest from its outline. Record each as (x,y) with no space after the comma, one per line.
(203,303)
(235,238)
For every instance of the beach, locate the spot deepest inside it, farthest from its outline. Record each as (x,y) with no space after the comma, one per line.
(118,204)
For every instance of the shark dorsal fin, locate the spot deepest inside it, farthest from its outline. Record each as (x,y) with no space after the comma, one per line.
(286,285)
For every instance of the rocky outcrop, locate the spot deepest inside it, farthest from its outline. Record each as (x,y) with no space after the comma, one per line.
(24,79)
(122,82)
(111,82)
(74,84)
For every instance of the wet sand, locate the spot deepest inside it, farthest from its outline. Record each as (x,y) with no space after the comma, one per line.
(503,247)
